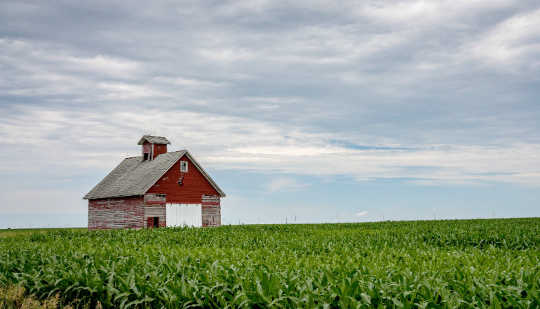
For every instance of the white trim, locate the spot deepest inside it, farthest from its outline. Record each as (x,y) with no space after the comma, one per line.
(184,166)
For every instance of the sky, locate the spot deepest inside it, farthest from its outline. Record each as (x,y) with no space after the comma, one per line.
(303,111)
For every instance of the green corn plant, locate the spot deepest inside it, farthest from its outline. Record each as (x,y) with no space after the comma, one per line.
(419,264)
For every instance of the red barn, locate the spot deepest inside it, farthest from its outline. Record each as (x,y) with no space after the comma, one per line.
(157,189)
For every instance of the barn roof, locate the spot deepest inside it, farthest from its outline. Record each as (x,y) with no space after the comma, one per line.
(153,139)
(134,176)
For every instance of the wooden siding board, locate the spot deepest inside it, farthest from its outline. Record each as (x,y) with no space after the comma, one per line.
(210,210)
(159,149)
(155,211)
(116,213)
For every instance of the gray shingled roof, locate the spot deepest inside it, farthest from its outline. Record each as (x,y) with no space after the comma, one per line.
(133,176)
(153,139)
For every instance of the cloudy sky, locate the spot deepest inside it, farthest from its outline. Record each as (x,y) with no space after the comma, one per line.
(306,111)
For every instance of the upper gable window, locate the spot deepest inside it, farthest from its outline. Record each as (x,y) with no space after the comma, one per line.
(183,166)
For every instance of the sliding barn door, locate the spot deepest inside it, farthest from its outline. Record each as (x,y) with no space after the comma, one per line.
(183,215)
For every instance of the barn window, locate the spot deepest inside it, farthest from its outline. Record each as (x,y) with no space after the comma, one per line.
(183,166)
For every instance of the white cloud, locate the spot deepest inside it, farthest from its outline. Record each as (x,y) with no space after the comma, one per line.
(511,44)
(103,64)
(225,142)
(190,82)
(285,184)
(125,91)
(361,213)
(227,55)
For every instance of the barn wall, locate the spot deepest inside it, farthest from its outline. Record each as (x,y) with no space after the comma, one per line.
(194,185)
(116,213)
(159,149)
(211,210)
(155,207)
(130,212)
(155,211)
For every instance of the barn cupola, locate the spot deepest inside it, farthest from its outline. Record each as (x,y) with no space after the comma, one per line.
(153,146)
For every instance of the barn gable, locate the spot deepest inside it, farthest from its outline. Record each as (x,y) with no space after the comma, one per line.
(194,183)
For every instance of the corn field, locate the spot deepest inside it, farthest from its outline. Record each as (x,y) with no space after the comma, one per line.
(417,264)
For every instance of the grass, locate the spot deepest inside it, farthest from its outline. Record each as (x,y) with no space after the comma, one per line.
(15,297)
(416,264)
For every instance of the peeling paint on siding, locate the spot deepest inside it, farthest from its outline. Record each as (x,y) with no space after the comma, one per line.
(155,207)
(116,213)
(210,210)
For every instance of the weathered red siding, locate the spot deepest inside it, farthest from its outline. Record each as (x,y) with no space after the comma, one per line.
(210,210)
(154,207)
(116,213)
(159,149)
(128,212)
(193,187)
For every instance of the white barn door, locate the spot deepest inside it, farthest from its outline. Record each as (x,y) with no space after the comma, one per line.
(183,215)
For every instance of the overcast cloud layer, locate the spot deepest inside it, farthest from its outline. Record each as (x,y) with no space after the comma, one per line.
(427,92)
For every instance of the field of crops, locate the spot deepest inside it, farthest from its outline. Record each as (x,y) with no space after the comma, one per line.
(421,264)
